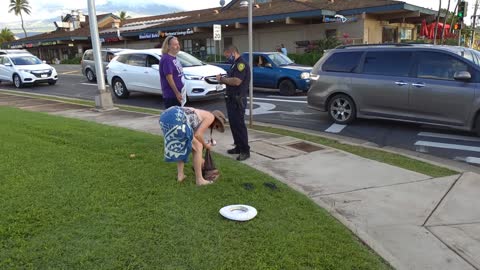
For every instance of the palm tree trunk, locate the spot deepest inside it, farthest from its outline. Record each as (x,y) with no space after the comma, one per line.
(445,21)
(436,24)
(25,32)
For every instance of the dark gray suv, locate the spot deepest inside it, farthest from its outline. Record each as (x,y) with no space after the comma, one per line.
(430,84)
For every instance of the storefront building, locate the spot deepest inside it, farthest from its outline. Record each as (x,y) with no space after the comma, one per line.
(297,24)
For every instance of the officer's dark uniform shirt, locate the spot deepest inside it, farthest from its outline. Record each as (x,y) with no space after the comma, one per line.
(241,70)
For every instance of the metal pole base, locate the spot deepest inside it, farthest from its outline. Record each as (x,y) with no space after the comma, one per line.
(103,102)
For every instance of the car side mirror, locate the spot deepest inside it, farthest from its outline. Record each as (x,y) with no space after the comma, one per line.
(156,67)
(8,64)
(268,65)
(44,61)
(462,76)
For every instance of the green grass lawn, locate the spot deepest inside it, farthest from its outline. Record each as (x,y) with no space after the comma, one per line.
(72,198)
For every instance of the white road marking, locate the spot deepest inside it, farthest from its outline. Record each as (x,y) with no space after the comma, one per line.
(263,108)
(282,100)
(70,72)
(448,146)
(287,98)
(94,84)
(335,128)
(473,160)
(449,136)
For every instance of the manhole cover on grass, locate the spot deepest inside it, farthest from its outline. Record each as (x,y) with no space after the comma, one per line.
(305,147)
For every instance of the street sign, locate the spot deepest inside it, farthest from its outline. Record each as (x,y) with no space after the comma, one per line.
(217,32)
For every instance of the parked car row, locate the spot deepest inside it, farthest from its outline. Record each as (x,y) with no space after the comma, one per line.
(23,68)
(428,84)
(276,71)
(138,70)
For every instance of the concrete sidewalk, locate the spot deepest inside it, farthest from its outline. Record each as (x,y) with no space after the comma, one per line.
(410,219)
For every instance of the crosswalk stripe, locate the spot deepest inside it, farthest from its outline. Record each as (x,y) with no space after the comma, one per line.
(281,100)
(448,146)
(335,128)
(448,136)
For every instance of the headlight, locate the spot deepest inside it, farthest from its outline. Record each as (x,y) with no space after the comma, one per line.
(193,77)
(314,77)
(305,75)
(24,70)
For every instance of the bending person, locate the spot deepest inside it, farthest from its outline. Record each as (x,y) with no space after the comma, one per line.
(183,130)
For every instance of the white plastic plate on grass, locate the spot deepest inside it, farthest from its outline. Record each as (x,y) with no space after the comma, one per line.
(238,212)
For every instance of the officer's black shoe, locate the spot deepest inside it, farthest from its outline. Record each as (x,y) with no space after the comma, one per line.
(243,156)
(233,151)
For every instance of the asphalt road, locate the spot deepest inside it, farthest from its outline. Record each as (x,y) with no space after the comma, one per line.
(270,107)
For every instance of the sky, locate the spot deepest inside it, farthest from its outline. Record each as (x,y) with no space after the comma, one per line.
(44,9)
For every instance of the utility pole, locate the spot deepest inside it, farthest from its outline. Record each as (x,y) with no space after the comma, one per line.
(436,24)
(103,101)
(472,39)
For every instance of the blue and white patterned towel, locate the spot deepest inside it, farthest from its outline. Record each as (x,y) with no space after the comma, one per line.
(178,135)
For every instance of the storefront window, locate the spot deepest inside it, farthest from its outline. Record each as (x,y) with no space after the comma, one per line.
(331,33)
(187,45)
(210,46)
(405,34)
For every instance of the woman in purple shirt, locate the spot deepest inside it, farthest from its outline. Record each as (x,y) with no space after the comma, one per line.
(171,73)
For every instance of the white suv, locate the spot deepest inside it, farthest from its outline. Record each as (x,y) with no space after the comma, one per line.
(24,69)
(137,70)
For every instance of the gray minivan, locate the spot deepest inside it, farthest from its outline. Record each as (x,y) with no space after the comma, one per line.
(88,64)
(407,82)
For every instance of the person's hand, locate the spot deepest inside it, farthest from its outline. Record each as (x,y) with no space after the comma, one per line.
(218,77)
(209,146)
(179,97)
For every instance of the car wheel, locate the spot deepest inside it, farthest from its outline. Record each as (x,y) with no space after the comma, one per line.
(119,88)
(52,82)
(17,81)
(287,88)
(342,109)
(90,75)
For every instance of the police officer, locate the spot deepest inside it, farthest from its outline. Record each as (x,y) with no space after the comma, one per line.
(237,83)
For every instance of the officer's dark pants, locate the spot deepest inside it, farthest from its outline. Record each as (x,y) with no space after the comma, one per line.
(236,118)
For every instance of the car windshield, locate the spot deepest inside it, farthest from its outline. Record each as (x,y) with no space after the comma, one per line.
(188,60)
(472,55)
(476,57)
(280,59)
(26,60)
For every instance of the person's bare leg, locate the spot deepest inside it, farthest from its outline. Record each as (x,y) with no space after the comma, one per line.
(197,163)
(180,174)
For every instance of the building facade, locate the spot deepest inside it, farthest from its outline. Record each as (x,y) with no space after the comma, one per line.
(297,24)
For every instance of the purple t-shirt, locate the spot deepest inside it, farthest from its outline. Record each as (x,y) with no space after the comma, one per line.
(170,65)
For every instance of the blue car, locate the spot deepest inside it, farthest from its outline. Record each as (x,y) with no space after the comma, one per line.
(275,70)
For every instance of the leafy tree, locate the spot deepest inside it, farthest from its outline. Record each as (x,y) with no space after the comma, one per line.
(19,7)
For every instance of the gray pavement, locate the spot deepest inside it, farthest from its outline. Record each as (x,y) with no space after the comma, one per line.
(412,220)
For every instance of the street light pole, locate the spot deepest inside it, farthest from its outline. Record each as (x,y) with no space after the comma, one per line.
(250,58)
(103,101)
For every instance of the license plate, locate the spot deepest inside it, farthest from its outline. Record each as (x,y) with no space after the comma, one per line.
(219,87)
(44,75)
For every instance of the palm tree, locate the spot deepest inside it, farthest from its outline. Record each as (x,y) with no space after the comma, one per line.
(123,16)
(436,24)
(6,35)
(445,20)
(19,6)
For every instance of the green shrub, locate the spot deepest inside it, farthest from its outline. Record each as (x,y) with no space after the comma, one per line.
(211,58)
(308,59)
(72,61)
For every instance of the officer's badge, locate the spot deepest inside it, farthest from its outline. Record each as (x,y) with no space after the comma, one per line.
(241,67)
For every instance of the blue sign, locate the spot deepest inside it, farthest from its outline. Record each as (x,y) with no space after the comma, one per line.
(148,35)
